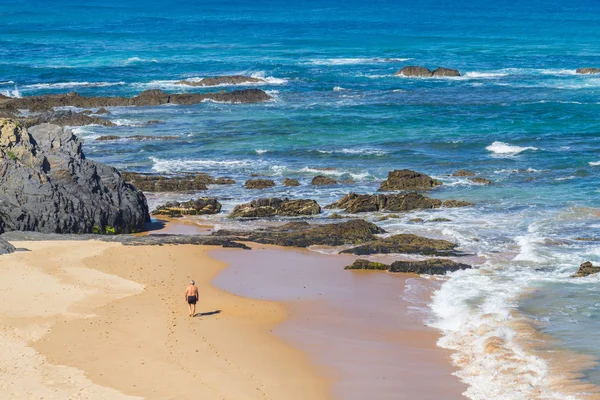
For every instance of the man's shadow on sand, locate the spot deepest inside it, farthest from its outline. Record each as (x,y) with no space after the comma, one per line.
(205,314)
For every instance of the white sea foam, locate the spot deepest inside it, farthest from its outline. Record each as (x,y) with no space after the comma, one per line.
(6,83)
(338,89)
(179,165)
(138,60)
(594,163)
(282,170)
(369,152)
(260,151)
(173,84)
(65,85)
(355,61)
(485,75)
(507,149)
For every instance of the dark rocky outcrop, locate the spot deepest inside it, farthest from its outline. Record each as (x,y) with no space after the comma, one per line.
(102,110)
(321,180)
(131,240)
(481,181)
(47,185)
(200,206)
(276,207)
(355,203)
(456,203)
(136,137)
(588,71)
(65,118)
(222,80)
(259,183)
(5,247)
(405,179)
(405,244)
(290,182)
(182,183)
(154,97)
(462,172)
(303,234)
(436,266)
(414,71)
(445,72)
(586,269)
(156,183)
(422,72)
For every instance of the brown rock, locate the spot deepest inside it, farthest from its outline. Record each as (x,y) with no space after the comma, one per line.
(586,269)
(203,205)
(435,266)
(456,204)
(355,203)
(414,71)
(588,70)
(320,180)
(406,179)
(276,207)
(102,110)
(259,183)
(462,172)
(366,264)
(481,181)
(407,244)
(156,183)
(290,182)
(445,72)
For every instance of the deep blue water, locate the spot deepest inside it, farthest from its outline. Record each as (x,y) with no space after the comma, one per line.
(337,106)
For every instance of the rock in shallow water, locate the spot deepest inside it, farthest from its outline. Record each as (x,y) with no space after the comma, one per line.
(435,266)
(259,183)
(276,207)
(588,71)
(47,185)
(405,179)
(321,180)
(586,268)
(405,244)
(200,206)
(355,203)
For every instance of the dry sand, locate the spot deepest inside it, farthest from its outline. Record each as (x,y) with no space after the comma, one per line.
(95,320)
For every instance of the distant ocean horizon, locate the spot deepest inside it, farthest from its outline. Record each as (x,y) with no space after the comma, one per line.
(519,116)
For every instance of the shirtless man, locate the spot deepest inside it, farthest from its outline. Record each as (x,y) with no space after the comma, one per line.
(191,296)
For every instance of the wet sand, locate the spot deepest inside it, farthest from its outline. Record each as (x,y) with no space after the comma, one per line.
(357,325)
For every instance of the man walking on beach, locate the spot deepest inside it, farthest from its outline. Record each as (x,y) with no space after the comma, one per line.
(191,296)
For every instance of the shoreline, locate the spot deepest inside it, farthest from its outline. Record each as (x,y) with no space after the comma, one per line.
(101,336)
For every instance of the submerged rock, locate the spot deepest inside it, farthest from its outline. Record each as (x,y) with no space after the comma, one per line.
(586,269)
(276,207)
(221,80)
(418,71)
(259,183)
(463,172)
(5,247)
(405,244)
(588,70)
(200,206)
(406,179)
(65,118)
(481,181)
(47,185)
(321,180)
(303,234)
(290,182)
(153,97)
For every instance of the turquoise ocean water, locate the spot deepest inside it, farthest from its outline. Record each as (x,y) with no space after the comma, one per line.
(519,116)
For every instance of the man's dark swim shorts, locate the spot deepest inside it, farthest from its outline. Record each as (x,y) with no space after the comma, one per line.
(192,299)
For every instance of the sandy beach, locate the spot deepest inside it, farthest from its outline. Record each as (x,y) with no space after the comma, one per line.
(96,320)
